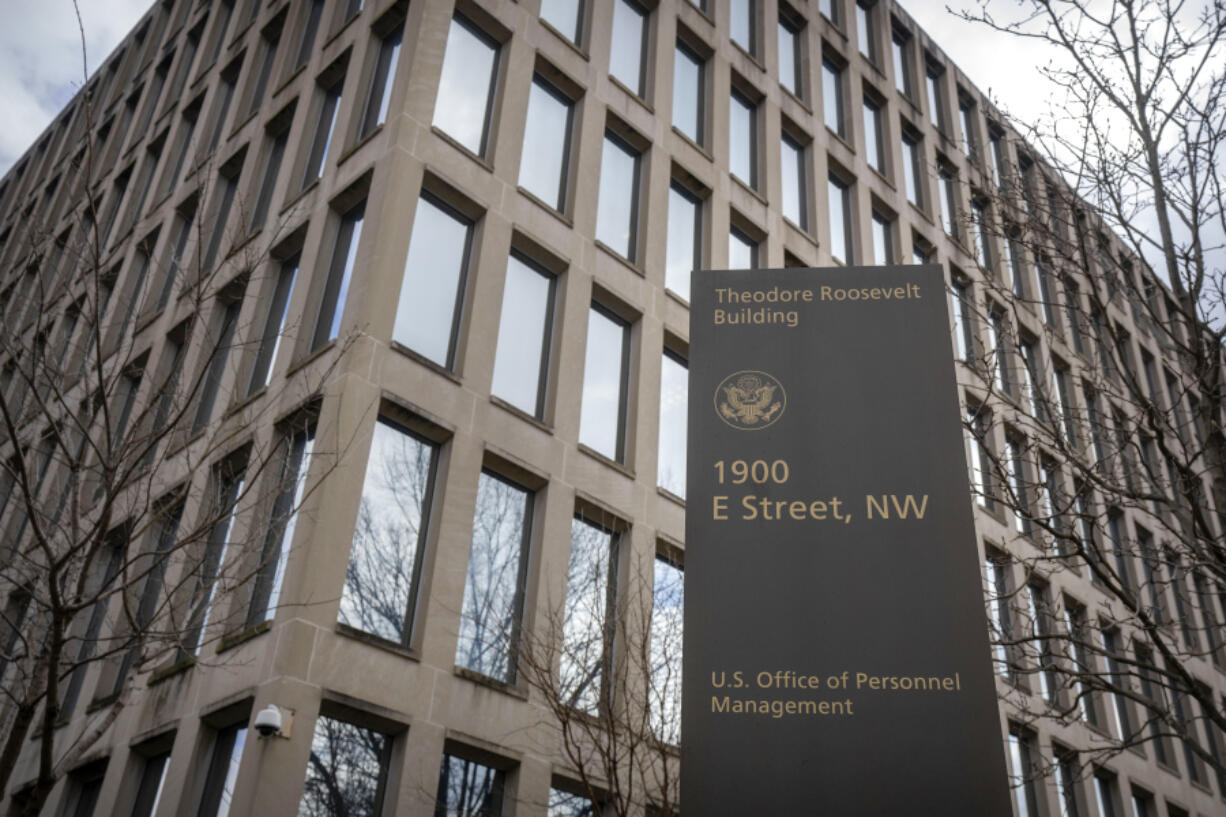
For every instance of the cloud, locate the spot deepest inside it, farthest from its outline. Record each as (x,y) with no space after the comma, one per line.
(41,61)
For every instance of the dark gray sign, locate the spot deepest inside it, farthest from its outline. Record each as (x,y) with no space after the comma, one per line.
(836,650)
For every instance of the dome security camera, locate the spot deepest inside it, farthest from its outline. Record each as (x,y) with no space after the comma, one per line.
(268,721)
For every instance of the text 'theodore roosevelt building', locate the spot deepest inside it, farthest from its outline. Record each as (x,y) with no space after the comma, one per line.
(448,247)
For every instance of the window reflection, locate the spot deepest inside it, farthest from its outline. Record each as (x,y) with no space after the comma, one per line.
(493,602)
(668,605)
(542,169)
(466,87)
(522,358)
(688,93)
(603,411)
(684,234)
(468,789)
(674,391)
(380,582)
(566,16)
(629,39)
(347,771)
(742,141)
(430,294)
(616,206)
(587,631)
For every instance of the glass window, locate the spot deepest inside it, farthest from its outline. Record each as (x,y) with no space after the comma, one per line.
(689,93)
(325,127)
(970,137)
(791,45)
(832,97)
(964,339)
(228,481)
(674,386)
(629,46)
(493,592)
(393,515)
(981,474)
(294,458)
(983,234)
(466,86)
(936,98)
(431,294)
(830,10)
(684,240)
(602,417)
(587,625)
(223,771)
(268,182)
(874,143)
(949,204)
(216,356)
(566,16)
(270,39)
(546,156)
(866,31)
(380,95)
(839,204)
(274,326)
(883,239)
(566,804)
(617,203)
(1104,794)
(913,170)
(743,22)
(1015,468)
(664,677)
(521,360)
(347,770)
(152,778)
(340,274)
(468,789)
(900,47)
(309,29)
(795,197)
(742,250)
(743,139)
(1023,773)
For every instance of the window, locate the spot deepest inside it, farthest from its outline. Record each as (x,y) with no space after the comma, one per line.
(742,250)
(1077,631)
(325,127)
(970,130)
(268,180)
(347,770)
(225,318)
(936,97)
(467,788)
(270,39)
(629,47)
(152,779)
(670,468)
(964,328)
(274,325)
(82,790)
(545,162)
(996,154)
(664,670)
(1068,423)
(182,143)
(900,48)
(866,31)
(493,587)
(565,803)
(1043,631)
(221,103)
(340,275)
(874,137)
(293,458)
(1118,681)
(795,182)
(883,239)
(602,420)
(566,17)
(1013,267)
(521,361)
(223,202)
(379,97)
(981,474)
(743,139)
(1143,804)
(998,334)
(1022,771)
(949,204)
(393,517)
(913,169)
(744,18)
(1000,615)
(1067,777)
(587,625)
(839,204)
(832,98)
(1019,488)
(830,10)
(1030,378)
(684,239)
(1105,794)
(310,28)
(219,782)
(466,87)
(983,234)
(221,509)
(617,203)
(791,54)
(689,93)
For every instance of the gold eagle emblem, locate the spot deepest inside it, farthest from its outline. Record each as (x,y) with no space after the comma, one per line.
(750,400)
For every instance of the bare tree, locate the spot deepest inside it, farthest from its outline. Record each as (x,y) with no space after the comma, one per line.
(139,519)
(1109,226)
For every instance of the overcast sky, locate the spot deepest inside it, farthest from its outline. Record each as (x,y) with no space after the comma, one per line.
(41,68)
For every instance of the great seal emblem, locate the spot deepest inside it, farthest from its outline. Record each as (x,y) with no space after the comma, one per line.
(750,400)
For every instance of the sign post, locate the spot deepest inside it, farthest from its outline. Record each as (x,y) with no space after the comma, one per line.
(836,652)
